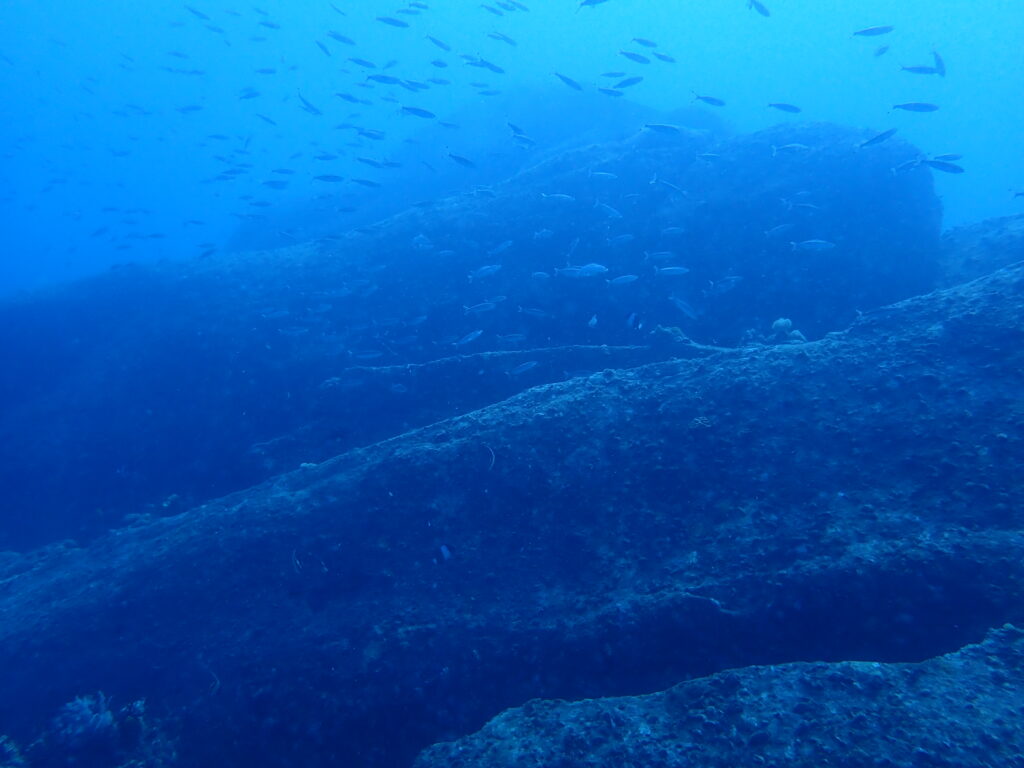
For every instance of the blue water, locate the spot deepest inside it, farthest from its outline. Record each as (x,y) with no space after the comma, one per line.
(110,113)
(242,241)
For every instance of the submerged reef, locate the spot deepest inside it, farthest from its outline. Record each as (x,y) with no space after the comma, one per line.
(615,534)
(152,389)
(960,709)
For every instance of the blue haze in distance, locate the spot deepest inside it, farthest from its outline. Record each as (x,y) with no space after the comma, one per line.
(117,116)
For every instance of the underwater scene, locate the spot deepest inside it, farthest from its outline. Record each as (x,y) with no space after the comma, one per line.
(541,384)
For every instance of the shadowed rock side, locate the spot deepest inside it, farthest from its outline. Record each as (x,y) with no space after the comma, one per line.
(976,250)
(610,535)
(150,390)
(958,710)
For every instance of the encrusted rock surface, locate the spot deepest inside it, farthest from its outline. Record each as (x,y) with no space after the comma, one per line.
(857,497)
(153,389)
(961,709)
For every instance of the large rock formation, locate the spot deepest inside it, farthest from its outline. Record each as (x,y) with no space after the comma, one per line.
(976,250)
(150,390)
(850,498)
(958,710)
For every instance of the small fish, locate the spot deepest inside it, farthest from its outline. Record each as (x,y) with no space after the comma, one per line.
(659,255)
(664,57)
(485,64)
(265,119)
(621,239)
(602,175)
(607,210)
(197,14)
(489,9)
(947,158)
(329,178)
(558,196)
(569,81)
(878,138)
(881,50)
(590,3)
(484,306)
(522,368)
(392,22)
(499,249)
(484,271)
(613,74)
(813,246)
(323,47)
(502,37)
(683,306)
(916,106)
(309,107)
(726,284)
(778,230)
(943,165)
(471,336)
(907,166)
(638,58)
(439,43)
(417,112)
(534,312)
(712,100)
(873,31)
(662,128)
(629,82)
(465,162)
(624,280)
(920,70)
(341,38)
(671,271)
(656,180)
(645,42)
(789,148)
(782,107)
(759,7)
(610,92)
(366,354)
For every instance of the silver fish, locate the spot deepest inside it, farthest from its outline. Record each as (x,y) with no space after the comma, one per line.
(813,246)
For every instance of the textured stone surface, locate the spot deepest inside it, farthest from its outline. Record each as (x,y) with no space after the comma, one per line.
(976,250)
(851,498)
(962,709)
(150,390)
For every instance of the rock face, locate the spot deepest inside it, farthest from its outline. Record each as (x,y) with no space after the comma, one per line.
(851,498)
(956,710)
(971,252)
(178,384)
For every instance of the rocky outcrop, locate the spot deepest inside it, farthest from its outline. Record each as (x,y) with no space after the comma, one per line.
(957,710)
(153,389)
(976,250)
(850,498)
